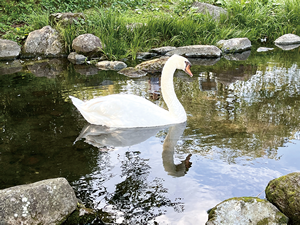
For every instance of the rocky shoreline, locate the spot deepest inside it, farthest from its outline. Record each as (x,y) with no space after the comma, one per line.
(53,201)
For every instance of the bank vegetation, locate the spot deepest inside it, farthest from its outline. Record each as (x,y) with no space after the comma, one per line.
(161,23)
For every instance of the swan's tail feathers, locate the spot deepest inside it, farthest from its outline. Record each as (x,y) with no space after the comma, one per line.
(86,112)
(77,102)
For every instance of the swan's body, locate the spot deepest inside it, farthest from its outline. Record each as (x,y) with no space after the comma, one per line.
(126,111)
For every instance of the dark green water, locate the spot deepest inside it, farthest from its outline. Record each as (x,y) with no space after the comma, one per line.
(243,130)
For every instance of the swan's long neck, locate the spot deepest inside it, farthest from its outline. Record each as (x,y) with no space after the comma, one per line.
(167,88)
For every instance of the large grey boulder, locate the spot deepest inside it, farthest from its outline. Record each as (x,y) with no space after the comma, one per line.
(197,51)
(287,39)
(66,18)
(234,45)
(44,202)
(87,44)
(214,11)
(45,42)
(111,65)
(245,210)
(284,193)
(9,50)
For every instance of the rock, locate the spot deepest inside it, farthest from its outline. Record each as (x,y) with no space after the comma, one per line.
(264,49)
(288,39)
(45,42)
(152,66)
(10,67)
(76,58)
(162,50)
(245,210)
(66,18)
(204,8)
(284,193)
(132,72)
(234,45)
(238,56)
(87,44)
(44,202)
(197,51)
(111,65)
(288,47)
(145,55)
(9,50)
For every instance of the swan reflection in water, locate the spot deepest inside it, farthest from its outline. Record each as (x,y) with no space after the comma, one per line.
(100,136)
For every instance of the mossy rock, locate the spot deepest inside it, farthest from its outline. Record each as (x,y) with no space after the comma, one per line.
(153,66)
(284,193)
(132,72)
(245,210)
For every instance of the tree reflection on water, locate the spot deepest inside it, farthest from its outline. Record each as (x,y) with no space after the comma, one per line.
(137,198)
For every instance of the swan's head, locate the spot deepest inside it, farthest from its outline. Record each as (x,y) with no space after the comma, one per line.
(182,64)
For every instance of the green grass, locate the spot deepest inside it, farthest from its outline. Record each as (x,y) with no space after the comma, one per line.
(161,22)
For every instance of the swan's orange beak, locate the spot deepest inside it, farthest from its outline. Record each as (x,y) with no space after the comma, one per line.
(188,69)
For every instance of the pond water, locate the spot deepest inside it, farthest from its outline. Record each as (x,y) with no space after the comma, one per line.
(243,130)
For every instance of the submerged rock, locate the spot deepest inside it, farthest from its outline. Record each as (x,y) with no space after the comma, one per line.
(245,210)
(197,51)
(234,45)
(288,39)
(45,42)
(9,50)
(44,202)
(204,8)
(284,193)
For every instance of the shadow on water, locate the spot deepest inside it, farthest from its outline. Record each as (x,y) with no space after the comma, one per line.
(242,131)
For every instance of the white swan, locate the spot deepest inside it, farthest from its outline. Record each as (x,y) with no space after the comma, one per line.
(127,111)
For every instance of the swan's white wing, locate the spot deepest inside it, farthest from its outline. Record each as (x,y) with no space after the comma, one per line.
(122,110)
